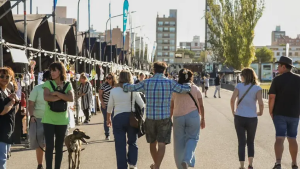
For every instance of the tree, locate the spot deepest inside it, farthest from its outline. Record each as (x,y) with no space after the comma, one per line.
(231,24)
(265,54)
(190,53)
(202,58)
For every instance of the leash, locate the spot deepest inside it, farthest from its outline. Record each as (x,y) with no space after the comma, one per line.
(36,136)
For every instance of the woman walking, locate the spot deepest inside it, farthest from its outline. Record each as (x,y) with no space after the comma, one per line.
(57,93)
(8,106)
(104,93)
(186,110)
(245,114)
(123,103)
(85,92)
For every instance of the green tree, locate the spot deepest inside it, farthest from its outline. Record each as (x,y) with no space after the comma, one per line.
(231,24)
(265,54)
(190,53)
(202,58)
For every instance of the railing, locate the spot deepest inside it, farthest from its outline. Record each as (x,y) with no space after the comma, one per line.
(265,93)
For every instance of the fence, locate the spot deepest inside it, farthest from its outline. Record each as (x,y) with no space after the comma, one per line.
(265,93)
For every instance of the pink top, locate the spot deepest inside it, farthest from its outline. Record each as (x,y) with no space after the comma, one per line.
(184,104)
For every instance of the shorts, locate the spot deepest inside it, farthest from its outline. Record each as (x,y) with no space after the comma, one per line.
(206,88)
(158,130)
(286,126)
(36,136)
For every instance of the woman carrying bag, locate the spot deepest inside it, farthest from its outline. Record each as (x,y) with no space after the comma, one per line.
(57,92)
(123,103)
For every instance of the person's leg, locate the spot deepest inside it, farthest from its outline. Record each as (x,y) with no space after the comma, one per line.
(49,139)
(219,91)
(251,130)
(241,135)
(41,144)
(151,133)
(179,139)
(281,128)
(106,129)
(132,135)
(154,151)
(60,131)
(192,131)
(120,141)
(3,155)
(216,91)
(292,131)
(87,115)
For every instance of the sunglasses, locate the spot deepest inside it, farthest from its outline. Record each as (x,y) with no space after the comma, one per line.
(108,78)
(4,77)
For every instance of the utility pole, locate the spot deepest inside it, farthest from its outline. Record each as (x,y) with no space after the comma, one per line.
(54,38)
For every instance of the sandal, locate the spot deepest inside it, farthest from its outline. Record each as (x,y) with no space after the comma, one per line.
(152,166)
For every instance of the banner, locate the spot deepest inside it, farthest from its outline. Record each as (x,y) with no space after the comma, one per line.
(54,4)
(125,14)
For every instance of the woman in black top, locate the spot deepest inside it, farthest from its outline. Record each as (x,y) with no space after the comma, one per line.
(8,102)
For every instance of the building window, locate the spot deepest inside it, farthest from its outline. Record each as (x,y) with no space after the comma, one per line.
(159,41)
(160,35)
(159,54)
(290,54)
(296,54)
(171,60)
(172,54)
(166,42)
(166,48)
(278,53)
(166,29)
(196,44)
(166,35)
(166,60)
(181,44)
(167,23)
(160,23)
(172,29)
(172,35)
(283,53)
(172,23)
(159,47)
(172,48)
(172,42)
(160,29)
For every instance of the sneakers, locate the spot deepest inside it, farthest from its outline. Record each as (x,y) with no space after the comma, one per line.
(185,165)
(294,166)
(86,122)
(40,166)
(250,167)
(215,97)
(277,166)
(132,167)
(107,138)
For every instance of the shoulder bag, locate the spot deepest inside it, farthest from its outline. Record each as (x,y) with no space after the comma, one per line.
(240,100)
(194,101)
(60,105)
(134,121)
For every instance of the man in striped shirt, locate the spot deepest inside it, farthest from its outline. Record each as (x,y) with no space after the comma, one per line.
(158,125)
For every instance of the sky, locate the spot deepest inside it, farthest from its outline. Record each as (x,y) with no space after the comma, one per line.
(190,13)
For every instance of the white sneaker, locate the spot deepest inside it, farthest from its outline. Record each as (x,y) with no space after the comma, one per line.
(132,167)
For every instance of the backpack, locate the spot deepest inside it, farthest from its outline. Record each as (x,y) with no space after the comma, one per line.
(60,105)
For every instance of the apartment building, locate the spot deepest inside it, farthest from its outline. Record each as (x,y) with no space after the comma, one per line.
(166,37)
(277,34)
(195,46)
(294,52)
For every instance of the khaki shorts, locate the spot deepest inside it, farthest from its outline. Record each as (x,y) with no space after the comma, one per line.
(158,130)
(36,134)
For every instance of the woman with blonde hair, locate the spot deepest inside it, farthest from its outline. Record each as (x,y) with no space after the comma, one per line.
(245,114)
(123,103)
(85,92)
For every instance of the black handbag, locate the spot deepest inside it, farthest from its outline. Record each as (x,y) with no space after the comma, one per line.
(60,105)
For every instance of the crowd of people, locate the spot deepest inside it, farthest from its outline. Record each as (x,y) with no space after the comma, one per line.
(169,104)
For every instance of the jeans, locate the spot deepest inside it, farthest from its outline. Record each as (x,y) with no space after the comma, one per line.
(4,148)
(186,136)
(121,127)
(106,129)
(87,114)
(243,126)
(286,126)
(218,88)
(59,132)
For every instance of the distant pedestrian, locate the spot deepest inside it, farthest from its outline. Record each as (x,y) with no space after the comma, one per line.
(284,108)
(186,110)
(141,78)
(104,93)
(158,124)
(218,86)
(86,94)
(206,84)
(245,115)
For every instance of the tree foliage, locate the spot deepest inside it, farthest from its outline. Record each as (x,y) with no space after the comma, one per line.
(264,54)
(190,53)
(202,58)
(231,24)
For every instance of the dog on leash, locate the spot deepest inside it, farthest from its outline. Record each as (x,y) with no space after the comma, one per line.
(73,143)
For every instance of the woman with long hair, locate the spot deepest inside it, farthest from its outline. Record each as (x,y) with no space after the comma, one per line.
(85,92)
(186,109)
(8,105)
(104,93)
(123,103)
(245,114)
(57,92)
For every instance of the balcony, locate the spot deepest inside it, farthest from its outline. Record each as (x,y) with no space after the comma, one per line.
(166,36)
(165,55)
(166,30)
(166,43)
(166,49)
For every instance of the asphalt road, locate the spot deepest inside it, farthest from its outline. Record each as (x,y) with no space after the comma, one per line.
(217,148)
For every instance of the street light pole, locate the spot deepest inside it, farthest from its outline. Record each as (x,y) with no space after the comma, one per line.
(78,16)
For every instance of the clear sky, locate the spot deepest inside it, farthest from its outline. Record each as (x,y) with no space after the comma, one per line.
(190,16)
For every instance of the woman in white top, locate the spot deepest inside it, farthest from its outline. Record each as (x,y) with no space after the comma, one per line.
(245,114)
(121,103)
(206,84)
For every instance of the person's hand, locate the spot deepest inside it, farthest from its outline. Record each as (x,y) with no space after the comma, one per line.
(14,96)
(108,122)
(32,119)
(103,105)
(233,113)
(202,124)
(259,113)
(271,114)
(54,93)
(12,101)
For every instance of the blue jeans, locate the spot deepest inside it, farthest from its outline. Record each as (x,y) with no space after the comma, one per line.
(4,148)
(186,136)
(121,126)
(106,129)
(286,126)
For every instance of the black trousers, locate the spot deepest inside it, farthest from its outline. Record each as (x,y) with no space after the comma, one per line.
(245,129)
(87,114)
(59,131)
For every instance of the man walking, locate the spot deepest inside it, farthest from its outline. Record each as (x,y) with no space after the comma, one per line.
(218,86)
(36,110)
(158,124)
(284,108)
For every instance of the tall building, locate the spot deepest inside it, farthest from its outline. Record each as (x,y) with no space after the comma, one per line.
(166,37)
(277,34)
(195,46)
(61,16)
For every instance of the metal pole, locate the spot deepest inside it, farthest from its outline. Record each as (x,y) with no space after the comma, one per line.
(77,17)
(40,55)
(89,22)
(84,62)
(54,38)
(1,48)
(110,38)
(76,71)
(100,53)
(95,86)
(30,6)
(18,9)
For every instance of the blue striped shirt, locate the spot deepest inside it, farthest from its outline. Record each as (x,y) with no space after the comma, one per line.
(158,91)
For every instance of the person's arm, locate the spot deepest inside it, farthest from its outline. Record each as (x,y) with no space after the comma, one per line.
(202,114)
(69,97)
(260,103)
(7,107)
(139,100)
(101,90)
(172,108)
(272,97)
(233,99)
(134,87)
(181,88)
(110,106)
(49,97)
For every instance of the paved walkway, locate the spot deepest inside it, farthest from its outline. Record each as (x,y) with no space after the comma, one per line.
(217,147)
